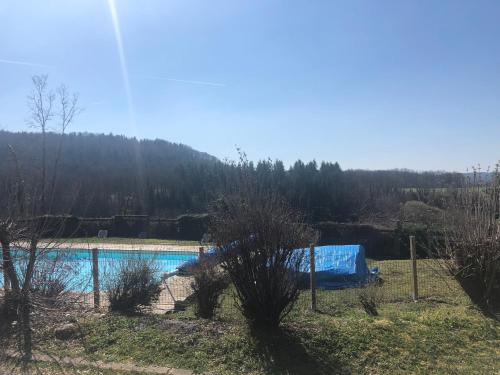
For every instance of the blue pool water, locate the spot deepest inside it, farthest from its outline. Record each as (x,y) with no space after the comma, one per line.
(75,265)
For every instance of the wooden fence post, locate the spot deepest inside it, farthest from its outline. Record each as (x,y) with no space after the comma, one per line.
(95,277)
(413,254)
(312,276)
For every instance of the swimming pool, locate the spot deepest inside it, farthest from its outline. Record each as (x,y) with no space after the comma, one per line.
(74,266)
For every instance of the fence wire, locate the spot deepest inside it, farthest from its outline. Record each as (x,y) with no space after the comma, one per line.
(393,284)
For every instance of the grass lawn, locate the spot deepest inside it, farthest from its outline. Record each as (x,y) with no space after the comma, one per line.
(126,241)
(441,334)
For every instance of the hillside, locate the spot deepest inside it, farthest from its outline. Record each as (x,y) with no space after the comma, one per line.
(100,174)
(104,175)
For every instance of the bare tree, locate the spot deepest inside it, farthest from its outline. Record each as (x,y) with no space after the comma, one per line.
(24,224)
(68,109)
(40,103)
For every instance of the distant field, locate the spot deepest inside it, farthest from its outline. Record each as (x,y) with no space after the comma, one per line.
(126,241)
(431,190)
(440,189)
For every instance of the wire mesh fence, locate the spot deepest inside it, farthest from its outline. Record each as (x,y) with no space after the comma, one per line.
(167,267)
(393,284)
(89,275)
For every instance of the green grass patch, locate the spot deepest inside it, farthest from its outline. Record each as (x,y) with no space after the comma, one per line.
(406,338)
(443,333)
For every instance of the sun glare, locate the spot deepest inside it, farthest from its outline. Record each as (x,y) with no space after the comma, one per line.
(123,64)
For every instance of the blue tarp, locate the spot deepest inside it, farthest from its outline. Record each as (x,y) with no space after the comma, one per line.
(339,266)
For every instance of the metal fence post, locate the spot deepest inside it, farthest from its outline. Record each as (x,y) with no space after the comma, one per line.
(413,254)
(313,277)
(95,277)
(6,281)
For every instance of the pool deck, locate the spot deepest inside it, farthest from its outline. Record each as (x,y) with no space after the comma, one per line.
(118,246)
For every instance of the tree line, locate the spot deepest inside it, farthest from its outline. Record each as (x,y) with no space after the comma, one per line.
(104,175)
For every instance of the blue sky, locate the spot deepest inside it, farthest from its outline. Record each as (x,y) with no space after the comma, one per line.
(370,84)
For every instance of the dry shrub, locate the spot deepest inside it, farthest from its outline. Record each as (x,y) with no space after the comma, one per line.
(472,238)
(257,233)
(370,296)
(135,286)
(53,280)
(208,285)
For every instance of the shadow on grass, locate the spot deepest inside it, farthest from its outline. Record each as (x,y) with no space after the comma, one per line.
(475,293)
(7,317)
(282,353)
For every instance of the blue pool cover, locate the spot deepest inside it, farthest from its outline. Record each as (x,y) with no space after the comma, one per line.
(339,266)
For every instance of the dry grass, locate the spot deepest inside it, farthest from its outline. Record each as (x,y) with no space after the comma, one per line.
(442,334)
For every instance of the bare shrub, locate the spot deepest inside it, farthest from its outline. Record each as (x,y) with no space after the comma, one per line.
(471,251)
(53,280)
(370,296)
(48,288)
(135,286)
(209,283)
(256,233)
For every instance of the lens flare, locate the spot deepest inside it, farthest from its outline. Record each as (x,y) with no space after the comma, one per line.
(123,64)
(130,98)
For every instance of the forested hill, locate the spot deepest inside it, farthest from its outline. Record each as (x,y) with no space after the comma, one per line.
(105,175)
